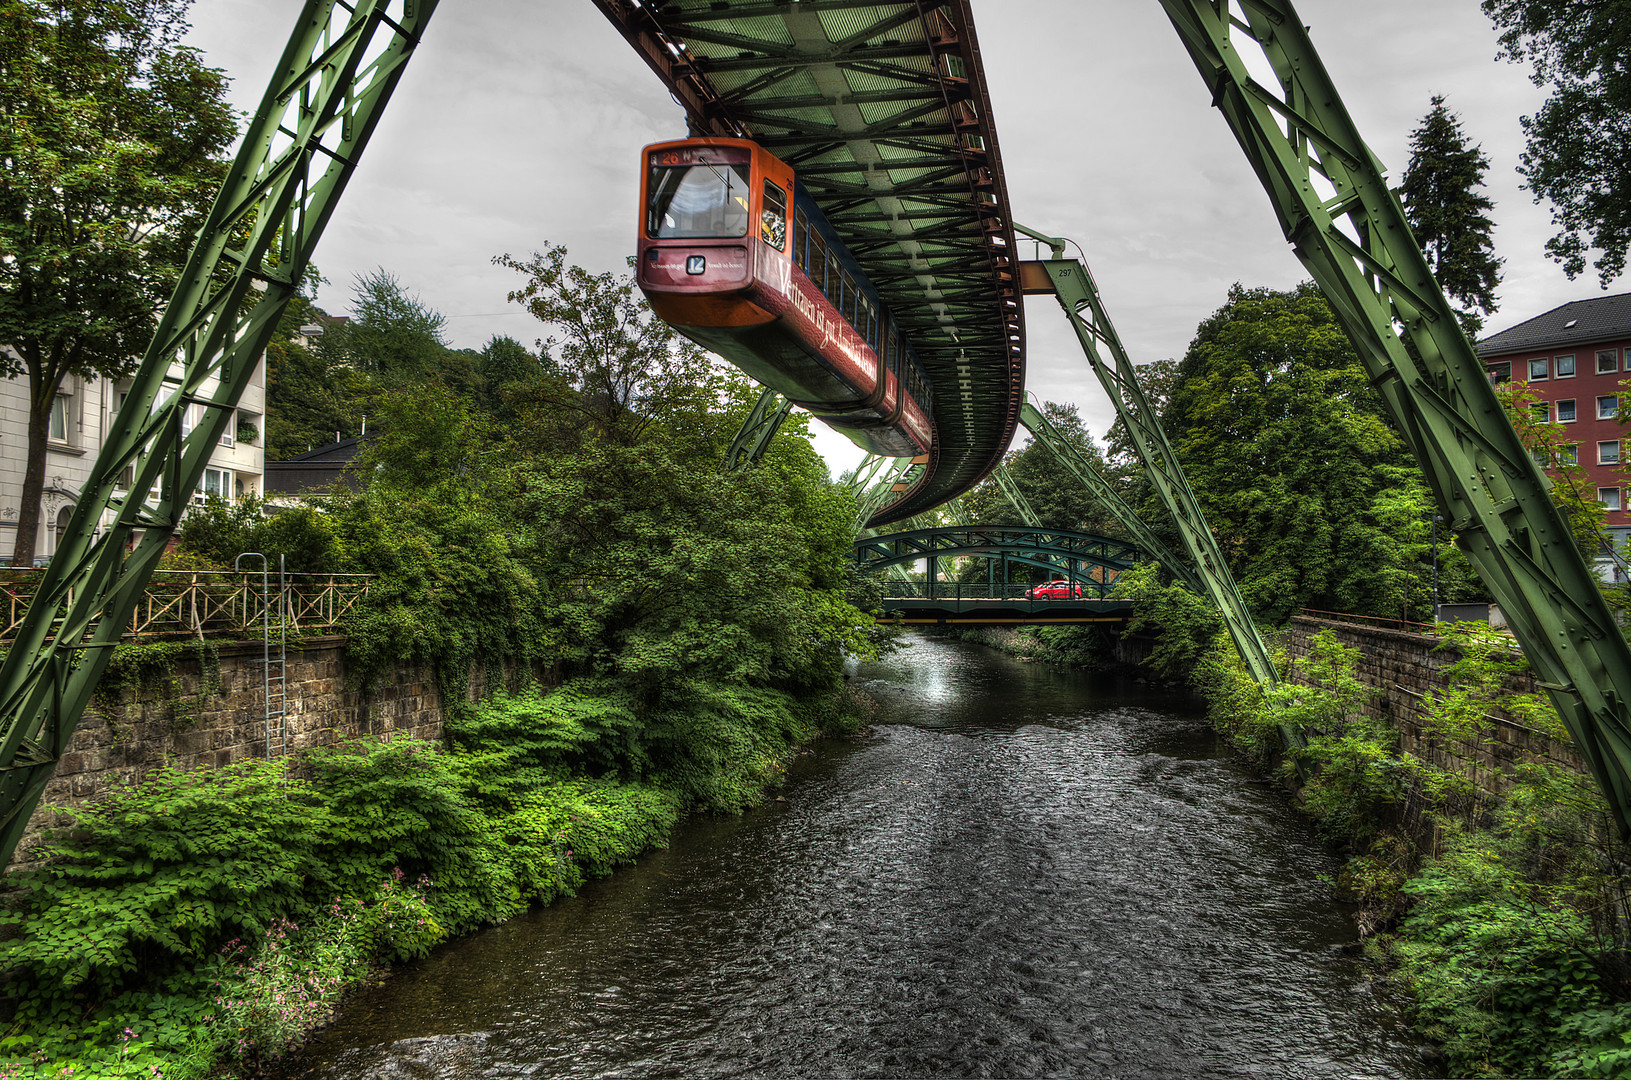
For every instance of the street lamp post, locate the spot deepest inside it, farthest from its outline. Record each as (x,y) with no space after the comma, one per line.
(1436,520)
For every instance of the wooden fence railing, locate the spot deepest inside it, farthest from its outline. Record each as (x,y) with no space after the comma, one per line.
(199,602)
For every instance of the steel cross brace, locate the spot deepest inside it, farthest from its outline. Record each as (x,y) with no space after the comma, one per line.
(753,438)
(1347,227)
(1037,423)
(1071,283)
(335,76)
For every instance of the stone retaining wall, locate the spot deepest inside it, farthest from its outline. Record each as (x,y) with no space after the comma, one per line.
(166,724)
(1403,666)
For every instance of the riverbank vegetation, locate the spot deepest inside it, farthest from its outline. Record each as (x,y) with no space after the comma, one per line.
(679,631)
(1502,920)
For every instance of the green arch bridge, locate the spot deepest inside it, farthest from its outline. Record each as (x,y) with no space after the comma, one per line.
(964,594)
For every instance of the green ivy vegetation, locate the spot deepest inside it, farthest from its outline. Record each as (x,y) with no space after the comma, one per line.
(1504,921)
(150,666)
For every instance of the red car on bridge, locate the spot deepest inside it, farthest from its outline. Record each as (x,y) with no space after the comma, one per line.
(1054,590)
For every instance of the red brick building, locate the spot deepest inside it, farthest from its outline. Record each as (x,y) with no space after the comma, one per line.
(1575,357)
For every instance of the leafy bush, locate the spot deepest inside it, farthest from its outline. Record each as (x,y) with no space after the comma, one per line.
(1504,973)
(220,531)
(193,905)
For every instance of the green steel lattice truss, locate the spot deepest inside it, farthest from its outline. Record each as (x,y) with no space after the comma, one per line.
(1334,205)
(328,91)
(882,111)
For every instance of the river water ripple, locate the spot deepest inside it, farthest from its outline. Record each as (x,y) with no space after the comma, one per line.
(1024,871)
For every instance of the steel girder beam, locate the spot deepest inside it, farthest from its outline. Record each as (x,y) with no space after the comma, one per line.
(1073,286)
(1332,198)
(753,438)
(328,91)
(1037,423)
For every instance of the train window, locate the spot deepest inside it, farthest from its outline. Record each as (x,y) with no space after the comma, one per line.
(818,261)
(801,237)
(891,353)
(846,302)
(698,200)
(834,276)
(773,218)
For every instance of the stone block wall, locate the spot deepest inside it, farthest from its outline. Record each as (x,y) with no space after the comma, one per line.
(167,723)
(1403,666)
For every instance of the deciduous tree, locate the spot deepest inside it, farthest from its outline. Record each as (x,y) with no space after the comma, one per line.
(616,364)
(1578,153)
(1299,472)
(111,135)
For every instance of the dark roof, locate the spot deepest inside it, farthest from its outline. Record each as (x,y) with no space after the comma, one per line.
(1579,321)
(344,450)
(316,470)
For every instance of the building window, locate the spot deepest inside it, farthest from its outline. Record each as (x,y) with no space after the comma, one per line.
(1568,454)
(1609,497)
(1608,453)
(1608,407)
(64,516)
(1608,360)
(213,483)
(1540,411)
(58,429)
(1539,369)
(1565,411)
(1500,373)
(1542,456)
(1564,366)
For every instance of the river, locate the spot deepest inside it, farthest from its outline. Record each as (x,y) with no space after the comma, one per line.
(1023,871)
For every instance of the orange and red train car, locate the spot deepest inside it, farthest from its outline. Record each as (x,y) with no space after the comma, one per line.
(736,256)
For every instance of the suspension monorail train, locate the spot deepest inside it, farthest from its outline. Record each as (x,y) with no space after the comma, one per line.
(784,301)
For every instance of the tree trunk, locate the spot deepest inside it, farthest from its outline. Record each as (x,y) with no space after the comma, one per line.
(40,395)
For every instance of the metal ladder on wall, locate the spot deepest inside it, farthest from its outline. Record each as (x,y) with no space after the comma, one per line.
(274,669)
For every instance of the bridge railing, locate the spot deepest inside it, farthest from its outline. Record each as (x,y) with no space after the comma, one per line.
(898,589)
(199,602)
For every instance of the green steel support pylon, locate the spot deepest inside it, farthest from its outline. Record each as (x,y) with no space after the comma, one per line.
(871,492)
(1334,205)
(1070,282)
(753,439)
(1037,423)
(342,62)
(1016,498)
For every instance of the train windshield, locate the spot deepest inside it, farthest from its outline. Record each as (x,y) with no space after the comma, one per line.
(697,200)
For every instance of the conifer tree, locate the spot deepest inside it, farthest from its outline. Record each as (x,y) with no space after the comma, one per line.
(1448,214)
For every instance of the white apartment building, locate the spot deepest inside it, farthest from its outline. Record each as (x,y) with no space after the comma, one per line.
(81,414)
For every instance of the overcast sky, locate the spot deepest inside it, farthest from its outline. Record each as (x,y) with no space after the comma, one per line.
(521,121)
